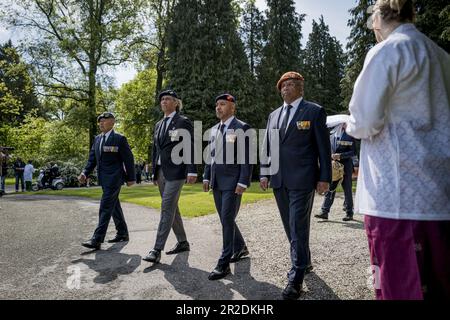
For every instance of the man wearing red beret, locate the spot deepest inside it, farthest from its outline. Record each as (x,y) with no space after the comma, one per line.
(298,147)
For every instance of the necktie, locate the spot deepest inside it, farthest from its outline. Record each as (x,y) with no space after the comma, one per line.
(223,140)
(102,143)
(162,131)
(285,121)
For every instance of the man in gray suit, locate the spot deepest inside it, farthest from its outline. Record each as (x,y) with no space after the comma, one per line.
(169,176)
(229,175)
(302,146)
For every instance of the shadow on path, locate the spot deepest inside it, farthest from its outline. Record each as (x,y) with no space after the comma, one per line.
(110,263)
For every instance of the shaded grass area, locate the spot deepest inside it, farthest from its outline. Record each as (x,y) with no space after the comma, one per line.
(193,201)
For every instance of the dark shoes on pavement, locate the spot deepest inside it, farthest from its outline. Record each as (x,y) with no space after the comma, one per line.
(91,244)
(322,216)
(153,256)
(348,218)
(239,254)
(119,238)
(179,247)
(291,292)
(219,272)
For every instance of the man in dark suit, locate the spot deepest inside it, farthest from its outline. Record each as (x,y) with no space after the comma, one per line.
(343,150)
(169,175)
(112,156)
(298,145)
(229,175)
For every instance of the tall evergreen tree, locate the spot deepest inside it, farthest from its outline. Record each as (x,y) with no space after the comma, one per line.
(323,67)
(252,33)
(282,51)
(433,19)
(207,57)
(360,41)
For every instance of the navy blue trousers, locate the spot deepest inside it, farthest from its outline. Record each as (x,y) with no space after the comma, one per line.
(227,205)
(110,206)
(295,208)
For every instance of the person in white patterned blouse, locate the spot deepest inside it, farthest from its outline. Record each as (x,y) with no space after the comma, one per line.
(400,111)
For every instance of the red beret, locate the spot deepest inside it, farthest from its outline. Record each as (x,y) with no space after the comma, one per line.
(287,76)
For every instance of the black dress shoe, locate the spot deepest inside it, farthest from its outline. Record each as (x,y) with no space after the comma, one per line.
(291,292)
(219,273)
(91,244)
(239,255)
(153,256)
(179,247)
(322,216)
(118,238)
(348,218)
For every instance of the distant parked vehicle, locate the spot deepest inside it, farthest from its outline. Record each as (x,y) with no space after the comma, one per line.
(49,178)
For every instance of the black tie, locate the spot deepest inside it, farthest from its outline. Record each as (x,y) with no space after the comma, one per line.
(222,130)
(162,131)
(285,121)
(102,143)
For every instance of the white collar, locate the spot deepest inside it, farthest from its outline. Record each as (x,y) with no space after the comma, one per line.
(294,104)
(107,134)
(171,115)
(228,122)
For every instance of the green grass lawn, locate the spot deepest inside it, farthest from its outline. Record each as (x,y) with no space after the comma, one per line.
(193,201)
(10,181)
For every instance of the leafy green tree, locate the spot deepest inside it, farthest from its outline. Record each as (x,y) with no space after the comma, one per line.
(73,43)
(132,104)
(44,140)
(17,93)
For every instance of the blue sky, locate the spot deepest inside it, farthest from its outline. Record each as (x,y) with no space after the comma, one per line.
(335,13)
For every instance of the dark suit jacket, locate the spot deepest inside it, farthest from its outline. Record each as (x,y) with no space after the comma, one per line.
(226,176)
(345,146)
(304,153)
(115,164)
(164,149)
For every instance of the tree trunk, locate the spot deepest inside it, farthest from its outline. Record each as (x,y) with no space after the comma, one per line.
(93,44)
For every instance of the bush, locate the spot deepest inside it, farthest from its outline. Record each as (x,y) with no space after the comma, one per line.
(69,171)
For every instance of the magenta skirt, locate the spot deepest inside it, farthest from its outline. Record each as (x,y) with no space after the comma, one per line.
(410,259)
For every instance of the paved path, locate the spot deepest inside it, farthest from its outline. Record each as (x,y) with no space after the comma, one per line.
(41,256)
